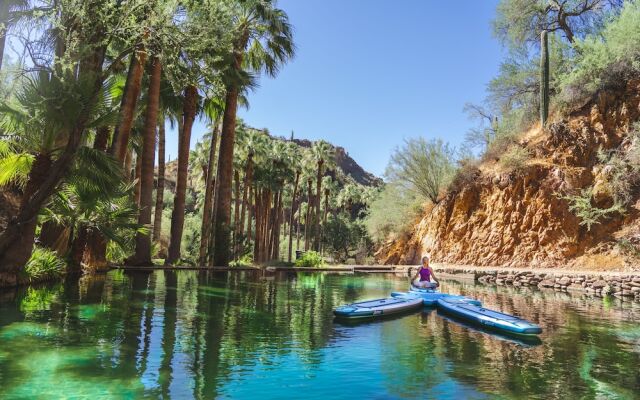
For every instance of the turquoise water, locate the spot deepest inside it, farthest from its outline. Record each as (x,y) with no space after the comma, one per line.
(256,335)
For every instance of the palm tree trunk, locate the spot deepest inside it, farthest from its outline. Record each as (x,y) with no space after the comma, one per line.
(16,255)
(298,233)
(292,213)
(213,208)
(78,248)
(236,215)
(101,140)
(274,227)
(318,199)
(143,240)
(248,177)
(95,256)
(177,217)
(208,197)
(128,104)
(137,177)
(307,218)
(157,219)
(55,237)
(249,213)
(16,241)
(267,224)
(224,178)
(257,215)
(3,32)
(324,218)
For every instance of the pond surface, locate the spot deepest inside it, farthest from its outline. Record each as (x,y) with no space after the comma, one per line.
(249,335)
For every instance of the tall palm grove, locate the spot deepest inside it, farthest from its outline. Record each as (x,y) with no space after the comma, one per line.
(86,95)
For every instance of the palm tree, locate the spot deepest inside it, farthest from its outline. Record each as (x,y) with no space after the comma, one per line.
(251,142)
(263,42)
(177,217)
(128,104)
(350,195)
(171,109)
(295,163)
(323,154)
(6,20)
(330,188)
(142,255)
(308,172)
(51,114)
(210,182)
(157,219)
(94,216)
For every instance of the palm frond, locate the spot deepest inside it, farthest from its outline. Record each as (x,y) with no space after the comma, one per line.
(14,168)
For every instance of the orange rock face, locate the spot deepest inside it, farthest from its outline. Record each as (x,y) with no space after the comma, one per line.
(520,218)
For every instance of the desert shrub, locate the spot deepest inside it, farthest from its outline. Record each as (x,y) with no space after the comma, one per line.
(629,247)
(423,166)
(582,207)
(310,259)
(512,124)
(514,158)
(607,59)
(465,175)
(44,264)
(622,167)
(392,212)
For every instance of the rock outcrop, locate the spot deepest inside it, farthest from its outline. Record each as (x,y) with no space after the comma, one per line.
(520,218)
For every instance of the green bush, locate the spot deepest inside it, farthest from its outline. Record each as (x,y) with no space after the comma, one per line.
(392,213)
(514,158)
(582,207)
(605,60)
(622,167)
(310,259)
(343,238)
(423,166)
(244,261)
(43,264)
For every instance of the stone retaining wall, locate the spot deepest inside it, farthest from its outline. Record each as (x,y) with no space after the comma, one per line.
(621,285)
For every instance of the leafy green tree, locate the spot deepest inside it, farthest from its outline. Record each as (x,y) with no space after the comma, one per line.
(424,166)
(392,213)
(343,237)
(519,22)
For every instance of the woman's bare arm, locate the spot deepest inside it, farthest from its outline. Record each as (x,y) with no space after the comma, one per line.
(434,276)
(416,276)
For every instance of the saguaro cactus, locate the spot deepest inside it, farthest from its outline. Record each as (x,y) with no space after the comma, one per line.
(544,78)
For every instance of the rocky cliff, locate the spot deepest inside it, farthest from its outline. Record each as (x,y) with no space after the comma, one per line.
(519,218)
(348,165)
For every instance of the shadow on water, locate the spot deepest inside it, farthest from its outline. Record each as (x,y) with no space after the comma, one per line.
(378,319)
(524,340)
(206,335)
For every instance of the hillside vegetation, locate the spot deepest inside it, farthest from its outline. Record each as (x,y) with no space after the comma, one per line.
(538,187)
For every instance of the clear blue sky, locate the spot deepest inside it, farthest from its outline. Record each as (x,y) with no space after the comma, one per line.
(370,73)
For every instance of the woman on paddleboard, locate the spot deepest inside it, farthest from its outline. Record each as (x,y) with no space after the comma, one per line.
(425,273)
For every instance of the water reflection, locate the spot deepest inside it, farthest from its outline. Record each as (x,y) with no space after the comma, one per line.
(242,335)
